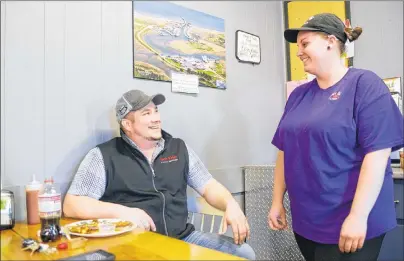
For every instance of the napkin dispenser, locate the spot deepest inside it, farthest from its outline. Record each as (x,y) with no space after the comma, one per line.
(7,209)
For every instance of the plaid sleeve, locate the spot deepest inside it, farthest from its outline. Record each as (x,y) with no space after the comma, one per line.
(90,179)
(198,174)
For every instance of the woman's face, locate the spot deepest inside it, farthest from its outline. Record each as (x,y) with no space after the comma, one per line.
(312,51)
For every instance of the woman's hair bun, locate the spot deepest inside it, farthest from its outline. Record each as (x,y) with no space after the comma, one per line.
(354,33)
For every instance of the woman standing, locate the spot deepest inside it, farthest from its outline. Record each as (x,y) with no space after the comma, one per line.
(335,138)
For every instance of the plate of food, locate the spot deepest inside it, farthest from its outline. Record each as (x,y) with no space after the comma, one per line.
(100,227)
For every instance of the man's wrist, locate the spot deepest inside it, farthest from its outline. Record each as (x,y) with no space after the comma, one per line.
(230,201)
(120,211)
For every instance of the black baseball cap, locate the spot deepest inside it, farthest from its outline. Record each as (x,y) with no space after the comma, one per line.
(326,22)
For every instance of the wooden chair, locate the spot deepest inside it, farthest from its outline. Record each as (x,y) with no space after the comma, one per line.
(203,216)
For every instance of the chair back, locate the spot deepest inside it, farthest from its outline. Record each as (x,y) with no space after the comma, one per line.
(203,216)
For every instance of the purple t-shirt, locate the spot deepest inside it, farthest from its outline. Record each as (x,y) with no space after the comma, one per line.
(325,135)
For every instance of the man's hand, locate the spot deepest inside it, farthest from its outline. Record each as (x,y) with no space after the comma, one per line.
(234,216)
(353,233)
(139,217)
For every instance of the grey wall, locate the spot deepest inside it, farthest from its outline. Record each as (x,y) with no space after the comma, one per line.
(64,64)
(380,47)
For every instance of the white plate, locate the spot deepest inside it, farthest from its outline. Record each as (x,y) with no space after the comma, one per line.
(101,234)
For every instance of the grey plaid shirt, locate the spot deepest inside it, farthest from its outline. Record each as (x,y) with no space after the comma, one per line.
(90,179)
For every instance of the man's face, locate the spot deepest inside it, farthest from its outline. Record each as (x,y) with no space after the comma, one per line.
(145,123)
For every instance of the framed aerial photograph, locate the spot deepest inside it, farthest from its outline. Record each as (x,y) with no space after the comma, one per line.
(171,38)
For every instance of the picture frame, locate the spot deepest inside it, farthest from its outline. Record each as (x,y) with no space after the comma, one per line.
(394,85)
(168,37)
(248,47)
(396,89)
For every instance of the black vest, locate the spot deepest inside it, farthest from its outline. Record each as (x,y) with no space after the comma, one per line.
(159,189)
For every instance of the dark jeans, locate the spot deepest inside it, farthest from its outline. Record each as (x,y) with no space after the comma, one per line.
(313,251)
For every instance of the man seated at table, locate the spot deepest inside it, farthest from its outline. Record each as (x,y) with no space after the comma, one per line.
(142,176)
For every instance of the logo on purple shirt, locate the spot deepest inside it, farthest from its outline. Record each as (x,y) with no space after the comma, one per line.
(335,96)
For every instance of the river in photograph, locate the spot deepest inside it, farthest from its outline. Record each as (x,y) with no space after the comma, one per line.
(161,43)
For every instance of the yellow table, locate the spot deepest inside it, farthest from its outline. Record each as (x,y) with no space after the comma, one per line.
(135,245)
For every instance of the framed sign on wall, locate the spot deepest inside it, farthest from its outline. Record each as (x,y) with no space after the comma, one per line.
(394,85)
(248,47)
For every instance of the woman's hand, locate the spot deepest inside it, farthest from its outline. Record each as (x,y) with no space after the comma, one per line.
(277,217)
(353,233)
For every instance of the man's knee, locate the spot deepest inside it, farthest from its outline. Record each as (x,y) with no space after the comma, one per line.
(245,251)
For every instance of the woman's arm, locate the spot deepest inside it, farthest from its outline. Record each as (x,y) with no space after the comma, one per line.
(371,177)
(279,181)
(370,182)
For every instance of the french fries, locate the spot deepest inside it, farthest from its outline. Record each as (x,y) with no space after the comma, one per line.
(93,227)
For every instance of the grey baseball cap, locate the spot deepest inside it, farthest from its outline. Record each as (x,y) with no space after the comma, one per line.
(326,22)
(134,100)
